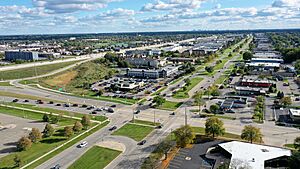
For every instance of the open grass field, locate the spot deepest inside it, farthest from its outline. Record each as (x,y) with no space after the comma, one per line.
(181,94)
(168,105)
(33,115)
(5,84)
(134,131)
(30,72)
(201,130)
(62,79)
(95,158)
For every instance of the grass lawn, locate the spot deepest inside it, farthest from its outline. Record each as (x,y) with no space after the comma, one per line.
(291,146)
(134,131)
(201,130)
(33,115)
(180,94)
(5,84)
(158,91)
(46,144)
(50,110)
(41,161)
(221,79)
(151,123)
(30,72)
(168,105)
(95,158)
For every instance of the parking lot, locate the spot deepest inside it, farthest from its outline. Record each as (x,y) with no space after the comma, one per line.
(12,129)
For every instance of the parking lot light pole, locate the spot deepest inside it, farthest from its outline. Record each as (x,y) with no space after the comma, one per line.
(154,119)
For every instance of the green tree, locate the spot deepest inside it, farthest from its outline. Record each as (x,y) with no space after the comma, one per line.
(184,135)
(86,122)
(294,160)
(17,160)
(35,135)
(214,109)
(164,147)
(252,134)
(46,118)
(297,143)
(187,81)
(286,101)
(48,131)
(77,126)
(214,127)
(209,69)
(198,100)
(68,131)
(159,100)
(24,144)
(247,56)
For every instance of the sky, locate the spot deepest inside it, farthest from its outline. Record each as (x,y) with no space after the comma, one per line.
(105,16)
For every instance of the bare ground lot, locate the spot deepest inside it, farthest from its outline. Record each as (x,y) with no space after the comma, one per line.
(12,129)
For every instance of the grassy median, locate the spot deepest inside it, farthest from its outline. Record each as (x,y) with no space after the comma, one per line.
(95,158)
(135,131)
(183,93)
(33,71)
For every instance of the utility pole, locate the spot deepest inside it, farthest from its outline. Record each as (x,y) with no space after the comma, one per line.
(185,116)
(154,119)
(133,115)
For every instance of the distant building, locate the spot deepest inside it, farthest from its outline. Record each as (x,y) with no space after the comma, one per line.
(266,60)
(181,60)
(249,91)
(21,55)
(153,73)
(143,62)
(256,83)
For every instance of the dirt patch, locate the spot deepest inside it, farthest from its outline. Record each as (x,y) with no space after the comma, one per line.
(62,79)
(112,145)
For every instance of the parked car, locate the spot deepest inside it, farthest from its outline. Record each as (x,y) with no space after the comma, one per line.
(15,100)
(66,105)
(83,144)
(26,101)
(84,106)
(75,105)
(58,104)
(113,105)
(51,102)
(159,127)
(142,142)
(172,114)
(112,128)
(94,112)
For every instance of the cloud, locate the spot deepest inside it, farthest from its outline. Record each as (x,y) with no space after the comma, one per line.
(69,6)
(286,3)
(172,5)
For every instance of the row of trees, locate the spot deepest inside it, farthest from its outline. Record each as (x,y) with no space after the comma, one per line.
(35,135)
(259,108)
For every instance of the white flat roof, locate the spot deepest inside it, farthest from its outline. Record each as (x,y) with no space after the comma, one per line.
(263,64)
(295,112)
(268,59)
(252,155)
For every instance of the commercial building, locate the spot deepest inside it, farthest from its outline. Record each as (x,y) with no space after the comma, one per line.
(181,60)
(256,83)
(152,73)
(266,60)
(143,62)
(21,55)
(294,114)
(233,102)
(246,155)
(249,91)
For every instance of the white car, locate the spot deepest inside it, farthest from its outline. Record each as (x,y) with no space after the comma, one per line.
(83,144)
